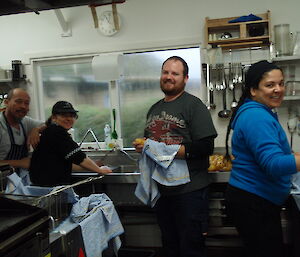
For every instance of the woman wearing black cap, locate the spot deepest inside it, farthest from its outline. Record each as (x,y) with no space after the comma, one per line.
(263,164)
(52,160)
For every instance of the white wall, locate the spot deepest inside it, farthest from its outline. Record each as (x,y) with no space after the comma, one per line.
(146,24)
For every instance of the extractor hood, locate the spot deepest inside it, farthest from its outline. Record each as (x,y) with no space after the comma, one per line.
(22,6)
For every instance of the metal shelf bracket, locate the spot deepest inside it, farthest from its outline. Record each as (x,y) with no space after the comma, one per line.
(66,29)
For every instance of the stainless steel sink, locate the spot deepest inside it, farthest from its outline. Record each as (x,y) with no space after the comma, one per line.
(128,168)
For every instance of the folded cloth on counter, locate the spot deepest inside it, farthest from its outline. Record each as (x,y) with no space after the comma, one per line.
(99,223)
(244,18)
(295,190)
(158,165)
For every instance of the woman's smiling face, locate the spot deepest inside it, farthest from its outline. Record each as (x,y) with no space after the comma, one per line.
(65,120)
(271,89)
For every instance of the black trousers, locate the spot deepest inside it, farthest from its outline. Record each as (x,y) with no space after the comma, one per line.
(183,221)
(294,228)
(257,221)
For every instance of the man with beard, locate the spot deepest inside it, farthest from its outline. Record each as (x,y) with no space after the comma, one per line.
(181,118)
(17,131)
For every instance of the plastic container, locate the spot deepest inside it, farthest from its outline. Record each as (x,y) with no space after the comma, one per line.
(296,48)
(283,42)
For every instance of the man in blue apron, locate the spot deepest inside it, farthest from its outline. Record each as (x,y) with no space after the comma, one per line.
(17,130)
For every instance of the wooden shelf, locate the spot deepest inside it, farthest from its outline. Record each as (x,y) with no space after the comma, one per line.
(215,28)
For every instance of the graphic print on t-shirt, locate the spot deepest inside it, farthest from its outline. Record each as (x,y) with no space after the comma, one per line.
(165,128)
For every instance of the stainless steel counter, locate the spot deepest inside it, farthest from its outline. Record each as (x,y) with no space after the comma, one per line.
(125,167)
(133,177)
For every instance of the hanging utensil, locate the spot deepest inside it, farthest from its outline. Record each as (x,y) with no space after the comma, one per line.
(114,134)
(224,113)
(231,86)
(234,102)
(210,88)
(209,67)
(219,67)
(211,96)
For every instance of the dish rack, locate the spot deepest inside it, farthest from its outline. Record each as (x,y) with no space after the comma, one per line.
(56,201)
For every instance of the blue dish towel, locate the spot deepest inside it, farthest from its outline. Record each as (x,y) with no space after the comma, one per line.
(168,171)
(146,189)
(16,186)
(158,165)
(99,223)
(244,18)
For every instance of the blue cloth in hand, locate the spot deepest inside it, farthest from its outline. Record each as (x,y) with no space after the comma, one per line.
(169,171)
(146,189)
(158,165)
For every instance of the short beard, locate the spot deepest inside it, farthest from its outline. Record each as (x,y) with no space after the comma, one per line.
(172,92)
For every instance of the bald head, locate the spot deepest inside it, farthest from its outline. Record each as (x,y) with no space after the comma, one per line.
(17,104)
(16,91)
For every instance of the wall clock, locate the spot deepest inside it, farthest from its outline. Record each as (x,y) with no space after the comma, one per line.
(109,23)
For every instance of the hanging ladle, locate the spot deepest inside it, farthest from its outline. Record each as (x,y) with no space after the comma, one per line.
(234,102)
(224,113)
(232,86)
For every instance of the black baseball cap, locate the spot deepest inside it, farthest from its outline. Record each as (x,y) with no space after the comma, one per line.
(63,107)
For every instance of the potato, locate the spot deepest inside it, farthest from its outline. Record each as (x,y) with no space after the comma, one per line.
(139,141)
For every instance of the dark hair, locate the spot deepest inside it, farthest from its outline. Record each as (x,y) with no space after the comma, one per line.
(178,58)
(49,121)
(254,75)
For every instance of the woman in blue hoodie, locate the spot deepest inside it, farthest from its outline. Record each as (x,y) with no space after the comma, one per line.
(263,164)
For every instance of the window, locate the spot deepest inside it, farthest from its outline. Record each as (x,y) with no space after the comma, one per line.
(73,81)
(140,87)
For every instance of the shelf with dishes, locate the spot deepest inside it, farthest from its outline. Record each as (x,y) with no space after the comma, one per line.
(222,33)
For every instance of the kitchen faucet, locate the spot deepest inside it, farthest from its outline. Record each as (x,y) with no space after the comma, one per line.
(93,135)
(116,148)
(128,155)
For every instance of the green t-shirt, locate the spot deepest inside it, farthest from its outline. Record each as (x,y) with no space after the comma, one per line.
(182,121)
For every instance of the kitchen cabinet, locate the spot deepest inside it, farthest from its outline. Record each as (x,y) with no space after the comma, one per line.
(243,34)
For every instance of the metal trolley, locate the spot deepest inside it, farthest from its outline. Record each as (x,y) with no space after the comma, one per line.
(56,201)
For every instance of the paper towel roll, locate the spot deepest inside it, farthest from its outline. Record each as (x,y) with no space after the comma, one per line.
(107,67)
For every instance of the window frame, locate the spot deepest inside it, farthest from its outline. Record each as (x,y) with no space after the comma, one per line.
(114,88)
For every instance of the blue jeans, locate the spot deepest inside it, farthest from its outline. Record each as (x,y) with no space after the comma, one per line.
(182,220)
